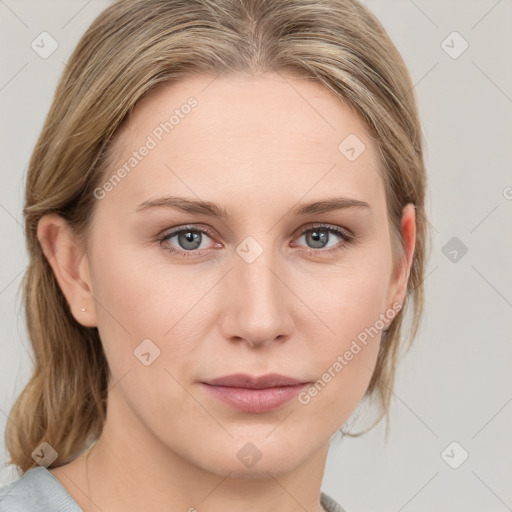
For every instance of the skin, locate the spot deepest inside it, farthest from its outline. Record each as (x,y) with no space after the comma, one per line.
(256,146)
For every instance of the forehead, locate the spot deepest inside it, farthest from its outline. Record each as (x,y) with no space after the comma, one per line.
(268,135)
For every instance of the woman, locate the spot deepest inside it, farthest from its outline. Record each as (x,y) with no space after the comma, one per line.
(225,219)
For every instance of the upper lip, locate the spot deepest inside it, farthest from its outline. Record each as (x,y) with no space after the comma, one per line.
(244,380)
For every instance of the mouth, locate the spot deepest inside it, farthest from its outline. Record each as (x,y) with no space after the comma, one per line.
(254,394)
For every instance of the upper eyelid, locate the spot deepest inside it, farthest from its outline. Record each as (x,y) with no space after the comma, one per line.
(178,230)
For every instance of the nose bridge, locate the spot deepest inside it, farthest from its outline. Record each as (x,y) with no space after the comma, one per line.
(257,307)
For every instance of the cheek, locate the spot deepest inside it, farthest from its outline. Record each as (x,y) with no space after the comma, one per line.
(349,297)
(133,289)
(140,296)
(139,307)
(124,294)
(351,304)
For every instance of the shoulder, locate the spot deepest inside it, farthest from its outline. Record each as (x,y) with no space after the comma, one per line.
(330,504)
(36,491)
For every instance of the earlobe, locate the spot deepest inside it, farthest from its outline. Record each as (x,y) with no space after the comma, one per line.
(69,263)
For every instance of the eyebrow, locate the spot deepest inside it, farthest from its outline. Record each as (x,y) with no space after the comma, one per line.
(213,210)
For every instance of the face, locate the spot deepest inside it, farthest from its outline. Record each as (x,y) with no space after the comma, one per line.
(184,295)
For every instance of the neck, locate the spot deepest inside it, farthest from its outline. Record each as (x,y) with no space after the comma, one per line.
(132,471)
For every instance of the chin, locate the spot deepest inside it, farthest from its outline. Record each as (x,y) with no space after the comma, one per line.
(246,460)
(276,465)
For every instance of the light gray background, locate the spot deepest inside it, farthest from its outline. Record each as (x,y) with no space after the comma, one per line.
(455,384)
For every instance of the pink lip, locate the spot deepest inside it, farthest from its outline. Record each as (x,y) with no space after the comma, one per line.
(255,394)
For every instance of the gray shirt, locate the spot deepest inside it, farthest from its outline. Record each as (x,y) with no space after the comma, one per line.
(39,491)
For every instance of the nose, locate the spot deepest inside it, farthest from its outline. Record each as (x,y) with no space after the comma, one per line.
(257,306)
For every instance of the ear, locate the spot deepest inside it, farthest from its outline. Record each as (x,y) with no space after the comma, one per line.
(70,265)
(398,285)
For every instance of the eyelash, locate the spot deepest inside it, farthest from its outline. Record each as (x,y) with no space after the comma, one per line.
(344,235)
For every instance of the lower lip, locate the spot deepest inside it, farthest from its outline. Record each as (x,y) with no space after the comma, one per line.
(255,400)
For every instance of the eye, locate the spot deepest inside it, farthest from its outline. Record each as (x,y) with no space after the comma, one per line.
(189,239)
(319,237)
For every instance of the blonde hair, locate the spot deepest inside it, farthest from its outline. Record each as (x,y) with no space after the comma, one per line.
(130,48)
